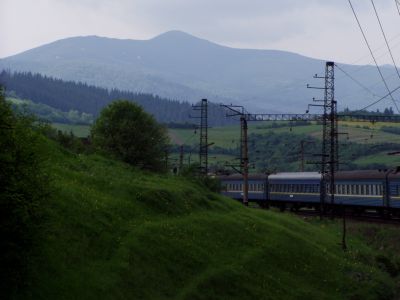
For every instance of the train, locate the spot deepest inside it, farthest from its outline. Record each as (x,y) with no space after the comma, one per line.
(359,190)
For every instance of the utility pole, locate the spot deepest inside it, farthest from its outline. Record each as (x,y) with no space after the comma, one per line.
(237,110)
(329,153)
(244,160)
(302,153)
(180,158)
(203,144)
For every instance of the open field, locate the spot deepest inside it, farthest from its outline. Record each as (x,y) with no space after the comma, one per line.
(228,137)
(380,158)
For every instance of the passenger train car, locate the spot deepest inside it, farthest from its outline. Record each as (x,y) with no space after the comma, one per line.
(366,189)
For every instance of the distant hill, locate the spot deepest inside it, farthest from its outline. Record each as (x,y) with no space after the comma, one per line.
(179,66)
(72,97)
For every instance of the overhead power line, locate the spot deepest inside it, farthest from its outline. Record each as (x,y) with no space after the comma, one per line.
(384,36)
(380,99)
(373,56)
(356,81)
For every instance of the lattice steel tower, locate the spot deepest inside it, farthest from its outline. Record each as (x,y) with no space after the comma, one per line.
(330,156)
(203,147)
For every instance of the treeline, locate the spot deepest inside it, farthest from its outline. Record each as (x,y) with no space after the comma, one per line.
(388,111)
(69,96)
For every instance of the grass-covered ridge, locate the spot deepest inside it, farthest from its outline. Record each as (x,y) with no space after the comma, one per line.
(113,232)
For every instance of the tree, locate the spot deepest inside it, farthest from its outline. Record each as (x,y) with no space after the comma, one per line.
(24,187)
(126,131)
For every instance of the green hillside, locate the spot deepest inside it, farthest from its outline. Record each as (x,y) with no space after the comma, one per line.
(113,232)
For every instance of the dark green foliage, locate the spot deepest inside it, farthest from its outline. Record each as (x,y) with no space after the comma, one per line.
(72,96)
(387,265)
(23,190)
(127,132)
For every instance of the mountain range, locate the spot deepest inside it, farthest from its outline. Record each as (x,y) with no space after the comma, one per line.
(179,66)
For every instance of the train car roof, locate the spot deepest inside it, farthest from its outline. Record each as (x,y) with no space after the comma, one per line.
(240,177)
(361,174)
(295,175)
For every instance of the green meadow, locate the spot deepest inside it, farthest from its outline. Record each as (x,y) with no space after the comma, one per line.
(115,232)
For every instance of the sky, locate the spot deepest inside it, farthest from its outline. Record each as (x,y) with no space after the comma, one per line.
(316,28)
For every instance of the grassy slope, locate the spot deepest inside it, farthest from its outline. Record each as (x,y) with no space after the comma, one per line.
(381,158)
(117,233)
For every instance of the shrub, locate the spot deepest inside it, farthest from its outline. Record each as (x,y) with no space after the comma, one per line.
(127,132)
(24,186)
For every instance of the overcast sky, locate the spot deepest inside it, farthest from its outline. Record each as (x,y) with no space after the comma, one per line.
(324,29)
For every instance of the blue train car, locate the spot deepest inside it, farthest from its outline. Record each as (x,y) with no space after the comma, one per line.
(232,186)
(365,188)
(394,190)
(295,188)
(360,190)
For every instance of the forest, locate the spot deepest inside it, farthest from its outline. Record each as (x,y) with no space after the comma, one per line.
(77,96)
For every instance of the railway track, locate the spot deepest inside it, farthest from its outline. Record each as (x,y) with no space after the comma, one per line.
(368,217)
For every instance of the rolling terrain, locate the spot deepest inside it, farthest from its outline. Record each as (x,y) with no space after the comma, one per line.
(179,66)
(115,232)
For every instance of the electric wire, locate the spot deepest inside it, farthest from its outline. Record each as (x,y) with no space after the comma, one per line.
(380,99)
(357,82)
(384,36)
(373,56)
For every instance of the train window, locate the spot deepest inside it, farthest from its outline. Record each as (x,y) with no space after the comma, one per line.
(367,189)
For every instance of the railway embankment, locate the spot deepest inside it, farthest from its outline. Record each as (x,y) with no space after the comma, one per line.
(114,232)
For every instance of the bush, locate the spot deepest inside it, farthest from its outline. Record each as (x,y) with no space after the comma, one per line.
(127,132)
(24,188)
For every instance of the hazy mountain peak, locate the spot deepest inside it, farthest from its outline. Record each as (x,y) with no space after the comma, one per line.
(179,37)
(178,65)
(175,35)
